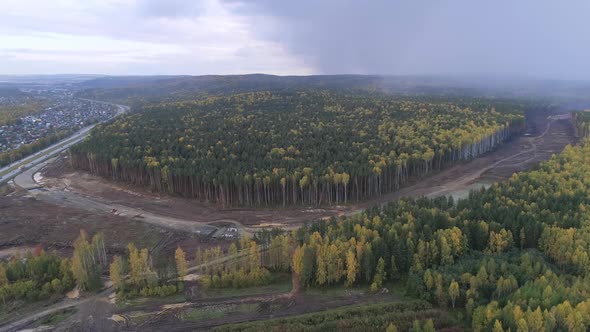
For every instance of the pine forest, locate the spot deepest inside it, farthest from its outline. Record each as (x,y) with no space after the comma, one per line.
(305,148)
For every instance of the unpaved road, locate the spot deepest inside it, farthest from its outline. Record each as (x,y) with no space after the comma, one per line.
(51,310)
(530,153)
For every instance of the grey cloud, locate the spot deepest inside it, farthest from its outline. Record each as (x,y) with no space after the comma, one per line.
(528,37)
(169,8)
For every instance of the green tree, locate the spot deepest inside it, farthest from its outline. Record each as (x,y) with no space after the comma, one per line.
(116,272)
(181,266)
(498,327)
(428,326)
(380,275)
(391,328)
(351,268)
(453,291)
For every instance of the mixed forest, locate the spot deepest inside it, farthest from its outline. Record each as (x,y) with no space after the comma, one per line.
(305,148)
(581,121)
(514,257)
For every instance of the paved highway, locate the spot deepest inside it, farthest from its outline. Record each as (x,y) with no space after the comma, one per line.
(14,169)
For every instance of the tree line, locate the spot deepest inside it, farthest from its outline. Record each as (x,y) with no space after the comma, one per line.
(35,276)
(307,148)
(581,120)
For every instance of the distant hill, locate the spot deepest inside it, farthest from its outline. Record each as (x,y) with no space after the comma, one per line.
(151,88)
(143,89)
(47,79)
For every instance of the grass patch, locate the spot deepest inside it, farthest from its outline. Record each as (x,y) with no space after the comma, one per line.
(337,290)
(367,317)
(127,303)
(281,284)
(395,289)
(216,311)
(137,301)
(139,317)
(58,318)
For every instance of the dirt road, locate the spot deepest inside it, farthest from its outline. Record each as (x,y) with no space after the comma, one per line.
(51,310)
(530,153)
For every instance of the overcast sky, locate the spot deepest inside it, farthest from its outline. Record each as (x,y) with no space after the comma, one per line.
(538,38)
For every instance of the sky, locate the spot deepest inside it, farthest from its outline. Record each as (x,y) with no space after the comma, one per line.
(530,38)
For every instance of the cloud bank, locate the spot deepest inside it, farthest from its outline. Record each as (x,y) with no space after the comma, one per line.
(535,38)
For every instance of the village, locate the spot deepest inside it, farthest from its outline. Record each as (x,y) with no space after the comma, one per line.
(61,112)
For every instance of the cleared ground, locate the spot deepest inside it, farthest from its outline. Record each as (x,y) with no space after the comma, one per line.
(26,222)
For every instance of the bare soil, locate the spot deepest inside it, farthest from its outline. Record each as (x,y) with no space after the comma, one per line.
(26,222)
(61,175)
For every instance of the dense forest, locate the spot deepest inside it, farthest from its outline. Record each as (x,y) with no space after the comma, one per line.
(514,256)
(309,148)
(581,123)
(38,275)
(140,90)
(35,276)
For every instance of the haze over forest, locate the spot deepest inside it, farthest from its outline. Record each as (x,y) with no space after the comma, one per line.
(542,39)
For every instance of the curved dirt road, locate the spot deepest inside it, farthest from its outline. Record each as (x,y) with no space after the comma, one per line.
(467,179)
